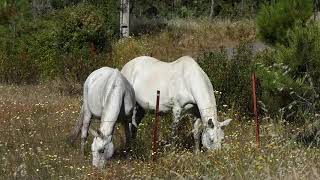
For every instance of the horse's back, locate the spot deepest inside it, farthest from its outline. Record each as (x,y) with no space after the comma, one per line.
(142,64)
(147,75)
(100,85)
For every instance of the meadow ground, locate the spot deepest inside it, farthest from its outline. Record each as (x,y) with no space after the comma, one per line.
(35,121)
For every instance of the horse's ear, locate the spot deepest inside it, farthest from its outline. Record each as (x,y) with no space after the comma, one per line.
(210,123)
(225,122)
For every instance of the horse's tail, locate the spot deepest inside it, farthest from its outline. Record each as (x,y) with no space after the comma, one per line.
(76,130)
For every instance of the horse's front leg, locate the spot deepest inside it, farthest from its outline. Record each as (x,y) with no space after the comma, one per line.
(197,134)
(177,116)
(107,128)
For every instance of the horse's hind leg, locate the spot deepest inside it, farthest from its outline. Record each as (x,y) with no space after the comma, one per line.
(77,128)
(85,128)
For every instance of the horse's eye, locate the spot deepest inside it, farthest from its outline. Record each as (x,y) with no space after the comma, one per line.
(101,151)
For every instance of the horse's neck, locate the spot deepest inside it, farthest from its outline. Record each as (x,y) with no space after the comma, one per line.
(207,106)
(204,96)
(111,110)
(106,127)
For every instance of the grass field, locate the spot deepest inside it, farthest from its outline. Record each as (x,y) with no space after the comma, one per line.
(35,121)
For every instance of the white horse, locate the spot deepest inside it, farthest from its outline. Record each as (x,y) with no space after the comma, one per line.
(109,96)
(183,86)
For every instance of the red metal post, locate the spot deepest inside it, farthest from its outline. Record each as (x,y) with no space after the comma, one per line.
(254,97)
(155,130)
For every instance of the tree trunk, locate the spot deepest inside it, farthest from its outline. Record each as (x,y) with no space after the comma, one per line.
(242,7)
(212,9)
(124,18)
(315,9)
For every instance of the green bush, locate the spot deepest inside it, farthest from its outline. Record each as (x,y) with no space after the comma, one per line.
(81,24)
(66,44)
(274,21)
(277,87)
(230,77)
(18,67)
(310,136)
(17,64)
(79,39)
(110,10)
(290,74)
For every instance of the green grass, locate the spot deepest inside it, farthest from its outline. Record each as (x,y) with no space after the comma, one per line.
(35,122)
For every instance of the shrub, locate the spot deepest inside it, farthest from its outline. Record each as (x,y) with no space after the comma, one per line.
(290,74)
(81,24)
(18,68)
(110,11)
(77,42)
(277,87)
(310,136)
(274,21)
(17,64)
(70,42)
(230,77)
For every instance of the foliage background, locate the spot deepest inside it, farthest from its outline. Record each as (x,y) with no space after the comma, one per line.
(48,48)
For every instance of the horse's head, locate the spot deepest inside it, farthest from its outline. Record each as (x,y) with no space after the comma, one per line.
(212,135)
(101,147)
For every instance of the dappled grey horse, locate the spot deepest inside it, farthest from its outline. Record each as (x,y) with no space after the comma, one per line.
(109,96)
(184,87)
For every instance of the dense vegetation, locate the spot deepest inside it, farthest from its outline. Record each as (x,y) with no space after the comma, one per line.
(274,21)
(48,48)
(289,73)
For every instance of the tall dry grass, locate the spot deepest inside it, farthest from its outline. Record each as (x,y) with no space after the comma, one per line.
(184,37)
(36,121)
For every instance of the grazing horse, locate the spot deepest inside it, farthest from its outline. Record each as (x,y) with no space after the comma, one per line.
(184,87)
(107,95)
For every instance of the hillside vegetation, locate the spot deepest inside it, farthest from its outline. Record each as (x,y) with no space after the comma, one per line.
(48,48)
(185,37)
